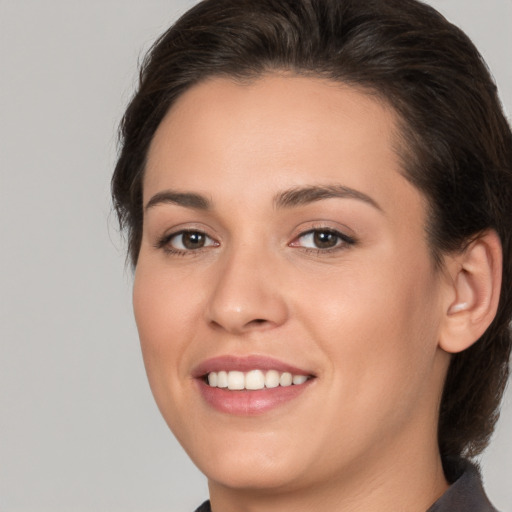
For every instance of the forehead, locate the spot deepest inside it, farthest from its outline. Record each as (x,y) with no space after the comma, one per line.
(276,131)
(275,104)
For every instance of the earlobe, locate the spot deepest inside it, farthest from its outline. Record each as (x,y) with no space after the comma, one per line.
(475,288)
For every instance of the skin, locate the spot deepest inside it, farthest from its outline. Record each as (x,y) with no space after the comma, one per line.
(365,318)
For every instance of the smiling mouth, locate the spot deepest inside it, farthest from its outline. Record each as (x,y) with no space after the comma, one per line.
(253,380)
(250,385)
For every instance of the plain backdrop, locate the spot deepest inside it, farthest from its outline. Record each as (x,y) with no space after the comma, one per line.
(79,430)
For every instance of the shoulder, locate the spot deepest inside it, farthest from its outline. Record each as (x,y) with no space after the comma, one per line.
(205,507)
(466,493)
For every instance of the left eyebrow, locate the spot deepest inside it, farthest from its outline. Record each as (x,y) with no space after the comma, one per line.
(304,195)
(185,199)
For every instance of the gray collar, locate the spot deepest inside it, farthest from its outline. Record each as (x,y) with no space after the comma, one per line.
(466,494)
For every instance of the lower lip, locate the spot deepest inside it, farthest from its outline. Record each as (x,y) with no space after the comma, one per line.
(250,403)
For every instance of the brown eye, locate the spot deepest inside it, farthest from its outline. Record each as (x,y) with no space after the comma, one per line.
(189,241)
(193,240)
(323,239)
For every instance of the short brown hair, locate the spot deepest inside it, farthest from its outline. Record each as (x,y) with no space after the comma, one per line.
(457,143)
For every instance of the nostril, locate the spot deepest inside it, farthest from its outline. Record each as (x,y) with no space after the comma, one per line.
(256,322)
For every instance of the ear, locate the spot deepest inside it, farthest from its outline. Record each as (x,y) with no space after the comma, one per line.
(473,292)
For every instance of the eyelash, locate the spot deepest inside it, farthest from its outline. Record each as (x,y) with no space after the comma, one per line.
(342,242)
(165,243)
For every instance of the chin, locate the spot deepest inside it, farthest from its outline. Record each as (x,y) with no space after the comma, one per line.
(260,461)
(251,472)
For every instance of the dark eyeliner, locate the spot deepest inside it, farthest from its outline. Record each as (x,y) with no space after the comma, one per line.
(346,241)
(163,243)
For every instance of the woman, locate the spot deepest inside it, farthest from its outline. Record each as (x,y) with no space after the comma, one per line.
(316,195)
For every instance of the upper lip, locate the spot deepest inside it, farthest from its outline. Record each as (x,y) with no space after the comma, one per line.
(245,364)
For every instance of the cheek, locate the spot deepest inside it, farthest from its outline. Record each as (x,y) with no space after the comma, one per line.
(376,327)
(166,313)
(160,313)
(163,302)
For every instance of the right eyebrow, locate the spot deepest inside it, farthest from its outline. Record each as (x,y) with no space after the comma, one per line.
(185,199)
(304,195)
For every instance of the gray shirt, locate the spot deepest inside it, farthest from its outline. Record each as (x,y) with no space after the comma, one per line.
(466,494)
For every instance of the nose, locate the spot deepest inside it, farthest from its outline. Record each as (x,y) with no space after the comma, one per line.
(247,294)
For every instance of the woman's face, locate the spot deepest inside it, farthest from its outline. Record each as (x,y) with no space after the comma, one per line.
(280,237)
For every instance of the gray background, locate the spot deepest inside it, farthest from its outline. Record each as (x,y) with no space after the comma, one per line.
(78,427)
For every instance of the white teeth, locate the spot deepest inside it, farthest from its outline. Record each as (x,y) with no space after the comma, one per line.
(272,379)
(253,380)
(299,379)
(222,379)
(212,379)
(286,379)
(236,380)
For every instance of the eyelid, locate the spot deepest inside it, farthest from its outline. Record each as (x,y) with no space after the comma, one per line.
(168,228)
(344,239)
(187,231)
(164,242)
